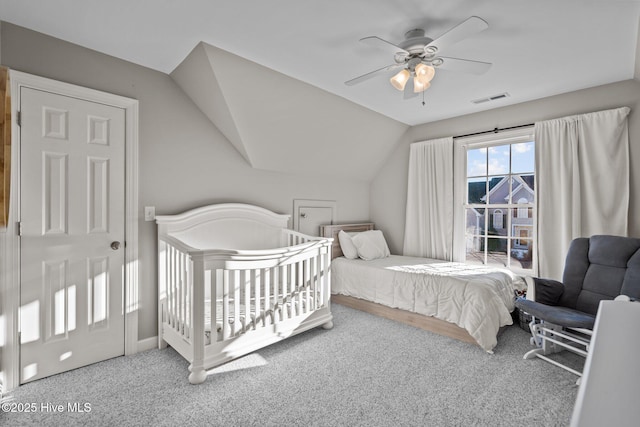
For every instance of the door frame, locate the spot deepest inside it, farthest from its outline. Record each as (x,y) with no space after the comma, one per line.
(10,248)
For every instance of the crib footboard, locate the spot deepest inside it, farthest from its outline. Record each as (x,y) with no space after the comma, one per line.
(218,305)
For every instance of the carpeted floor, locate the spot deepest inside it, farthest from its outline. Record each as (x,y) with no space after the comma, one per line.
(366,371)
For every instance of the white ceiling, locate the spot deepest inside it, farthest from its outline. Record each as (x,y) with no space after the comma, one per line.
(538,47)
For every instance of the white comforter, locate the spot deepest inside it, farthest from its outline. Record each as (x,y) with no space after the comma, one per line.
(476,298)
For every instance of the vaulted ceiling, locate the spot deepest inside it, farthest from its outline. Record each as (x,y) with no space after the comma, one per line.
(282,124)
(270,74)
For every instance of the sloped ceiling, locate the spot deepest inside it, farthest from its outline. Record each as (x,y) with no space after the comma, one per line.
(291,124)
(281,124)
(538,48)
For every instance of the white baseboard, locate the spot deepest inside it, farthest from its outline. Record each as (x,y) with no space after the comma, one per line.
(147,344)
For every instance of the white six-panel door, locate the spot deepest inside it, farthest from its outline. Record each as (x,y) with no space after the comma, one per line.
(72,233)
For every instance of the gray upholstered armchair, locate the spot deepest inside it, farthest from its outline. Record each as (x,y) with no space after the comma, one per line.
(596,268)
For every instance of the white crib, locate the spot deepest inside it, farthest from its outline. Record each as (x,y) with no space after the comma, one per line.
(234,279)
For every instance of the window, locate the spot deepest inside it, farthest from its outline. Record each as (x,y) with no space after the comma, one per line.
(498,218)
(523,212)
(499,202)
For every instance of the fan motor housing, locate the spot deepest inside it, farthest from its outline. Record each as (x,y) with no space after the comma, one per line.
(415,41)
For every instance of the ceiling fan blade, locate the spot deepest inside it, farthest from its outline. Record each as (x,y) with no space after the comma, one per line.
(464,65)
(371,74)
(383,44)
(466,28)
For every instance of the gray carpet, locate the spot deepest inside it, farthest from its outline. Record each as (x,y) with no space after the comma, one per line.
(367,371)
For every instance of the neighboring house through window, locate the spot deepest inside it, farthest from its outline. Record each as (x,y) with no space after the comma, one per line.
(499,199)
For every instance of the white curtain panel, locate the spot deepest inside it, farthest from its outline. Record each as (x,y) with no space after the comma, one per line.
(582,188)
(429,220)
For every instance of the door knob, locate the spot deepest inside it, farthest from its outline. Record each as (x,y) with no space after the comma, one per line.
(115,245)
(303,215)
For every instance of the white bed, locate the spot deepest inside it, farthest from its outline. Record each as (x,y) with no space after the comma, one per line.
(478,299)
(240,265)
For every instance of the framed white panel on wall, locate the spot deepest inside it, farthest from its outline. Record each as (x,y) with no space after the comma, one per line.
(309,215)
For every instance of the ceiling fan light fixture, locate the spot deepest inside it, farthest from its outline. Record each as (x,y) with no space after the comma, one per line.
(425,72)
(400,80)
(419,85)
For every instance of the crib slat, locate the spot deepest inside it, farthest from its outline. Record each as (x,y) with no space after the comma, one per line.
(174,291)
(225,305)
(185,290)
(216,284)
(315,282)
(256,299)
(172,281)
(292,290)
(247,299)
(285,292)
(326,287)
(236,302)
(299,289)
(165,315)
(322,283)
(169,284)
(307,282)
(267,286)
(295,290)
(182,284)
(275,306)
(320,291)
(187,297)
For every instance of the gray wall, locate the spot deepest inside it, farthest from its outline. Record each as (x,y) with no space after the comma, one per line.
(389,187)
(184,160)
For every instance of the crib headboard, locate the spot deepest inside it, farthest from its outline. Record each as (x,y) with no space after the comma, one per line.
(226,226)
(333,230)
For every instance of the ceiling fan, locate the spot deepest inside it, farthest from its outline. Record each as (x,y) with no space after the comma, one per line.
(418,56)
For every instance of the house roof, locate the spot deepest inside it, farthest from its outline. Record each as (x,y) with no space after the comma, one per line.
(497,183)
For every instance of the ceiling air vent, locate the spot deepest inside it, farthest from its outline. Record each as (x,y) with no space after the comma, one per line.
(490,98)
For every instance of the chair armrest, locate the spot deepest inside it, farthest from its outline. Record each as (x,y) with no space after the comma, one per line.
(547,291)
(531,288)
(627,298)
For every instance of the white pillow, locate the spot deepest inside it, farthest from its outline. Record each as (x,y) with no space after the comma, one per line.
(346,244)
(371,245)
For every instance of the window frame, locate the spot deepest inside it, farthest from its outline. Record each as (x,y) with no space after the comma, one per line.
(461,146)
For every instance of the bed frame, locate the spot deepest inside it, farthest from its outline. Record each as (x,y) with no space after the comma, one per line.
(233,279)
(428,323)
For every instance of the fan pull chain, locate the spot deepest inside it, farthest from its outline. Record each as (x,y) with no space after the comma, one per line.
(423,103)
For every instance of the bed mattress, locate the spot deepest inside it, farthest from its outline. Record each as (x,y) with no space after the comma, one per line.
(476,298)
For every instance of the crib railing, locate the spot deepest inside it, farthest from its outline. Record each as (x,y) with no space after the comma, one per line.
(175,276)
(212,296)
(258,292)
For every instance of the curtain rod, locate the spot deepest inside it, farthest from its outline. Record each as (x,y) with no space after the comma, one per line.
(494,130)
